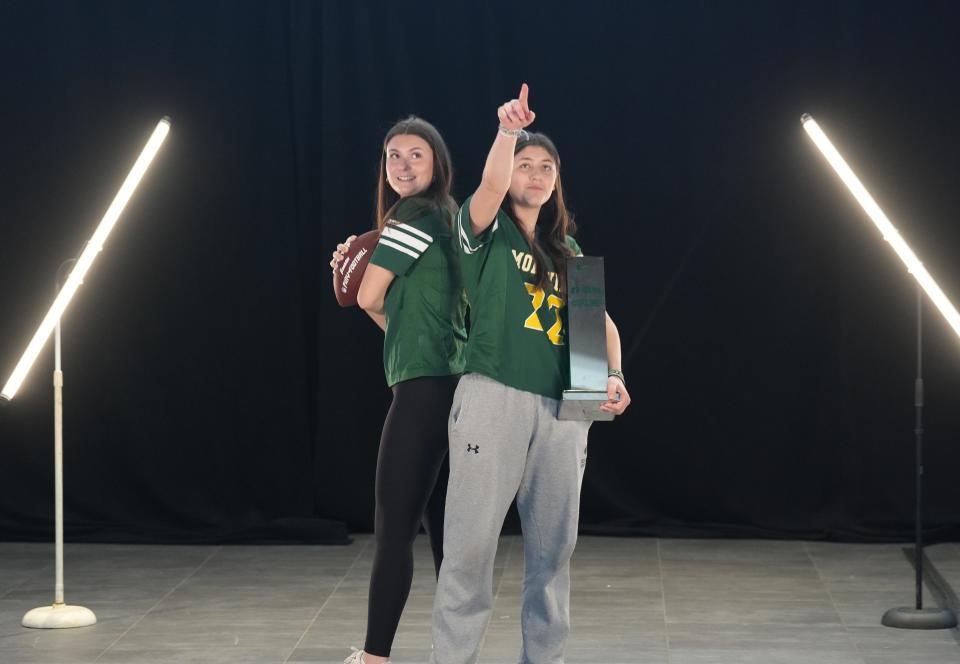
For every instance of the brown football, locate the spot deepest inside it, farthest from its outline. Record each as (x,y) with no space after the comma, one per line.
(349,273)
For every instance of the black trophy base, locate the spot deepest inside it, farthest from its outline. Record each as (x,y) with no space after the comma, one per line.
(906,617)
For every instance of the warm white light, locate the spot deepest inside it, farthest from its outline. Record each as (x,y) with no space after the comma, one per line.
(890,234)
(93,247)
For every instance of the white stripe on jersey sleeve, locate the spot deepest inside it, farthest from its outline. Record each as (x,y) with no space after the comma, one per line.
(469,243)
(411,229)
(465,241)
(394,233)
(398,247)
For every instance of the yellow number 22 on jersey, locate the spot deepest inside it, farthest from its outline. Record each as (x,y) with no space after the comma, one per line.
(533,320)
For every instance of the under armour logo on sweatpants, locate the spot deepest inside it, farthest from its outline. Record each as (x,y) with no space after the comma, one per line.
(473,448)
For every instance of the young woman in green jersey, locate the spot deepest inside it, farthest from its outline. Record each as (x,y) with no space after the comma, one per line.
(412,289)
(514,236)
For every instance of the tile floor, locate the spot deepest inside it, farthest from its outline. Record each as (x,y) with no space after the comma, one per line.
(643,601)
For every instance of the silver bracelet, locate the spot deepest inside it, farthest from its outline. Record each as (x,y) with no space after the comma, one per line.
(516,133)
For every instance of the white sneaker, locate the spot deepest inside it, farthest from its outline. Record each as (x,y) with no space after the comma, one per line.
(356,657)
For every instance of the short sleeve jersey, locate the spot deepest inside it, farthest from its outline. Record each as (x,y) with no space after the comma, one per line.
(518,332)
(425,304)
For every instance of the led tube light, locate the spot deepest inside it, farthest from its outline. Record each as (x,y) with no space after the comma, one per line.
(882,222)
(90,251)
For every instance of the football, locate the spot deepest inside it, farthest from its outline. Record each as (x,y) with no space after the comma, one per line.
(349,273)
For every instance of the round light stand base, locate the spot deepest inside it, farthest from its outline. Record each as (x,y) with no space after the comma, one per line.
(59,617)
(906,617)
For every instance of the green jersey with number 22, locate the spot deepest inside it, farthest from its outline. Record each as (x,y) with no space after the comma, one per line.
(517,330)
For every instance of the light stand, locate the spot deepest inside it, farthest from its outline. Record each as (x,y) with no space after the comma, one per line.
(60,614)
(915,617)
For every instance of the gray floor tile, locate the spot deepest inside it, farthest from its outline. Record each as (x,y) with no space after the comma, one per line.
(755,610)
(197,655)
(815,640)
(69,655)
(763,656)
(882,641)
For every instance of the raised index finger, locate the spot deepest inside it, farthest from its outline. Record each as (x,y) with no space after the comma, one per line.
(524,93)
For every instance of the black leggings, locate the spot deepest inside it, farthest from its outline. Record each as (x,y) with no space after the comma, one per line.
(412,472)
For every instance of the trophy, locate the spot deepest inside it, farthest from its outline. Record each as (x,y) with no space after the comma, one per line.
(586,340)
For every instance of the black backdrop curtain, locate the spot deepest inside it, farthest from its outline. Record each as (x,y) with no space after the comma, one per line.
(216,392)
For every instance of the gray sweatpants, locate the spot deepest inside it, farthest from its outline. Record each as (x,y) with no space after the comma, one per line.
(506,442)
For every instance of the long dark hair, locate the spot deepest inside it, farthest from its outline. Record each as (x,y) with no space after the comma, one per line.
(554,222)
(439,190)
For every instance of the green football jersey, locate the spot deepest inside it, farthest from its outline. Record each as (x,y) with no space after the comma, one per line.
(425,304)
(517,331)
